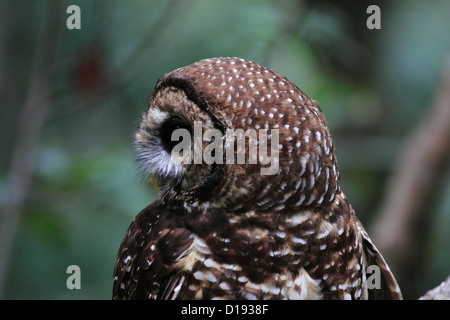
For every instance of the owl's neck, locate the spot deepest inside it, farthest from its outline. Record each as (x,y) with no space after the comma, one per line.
(263,244)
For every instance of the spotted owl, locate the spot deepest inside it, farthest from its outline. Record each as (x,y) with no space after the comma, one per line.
(227,229)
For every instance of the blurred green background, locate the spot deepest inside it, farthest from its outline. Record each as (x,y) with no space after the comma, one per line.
(374,87)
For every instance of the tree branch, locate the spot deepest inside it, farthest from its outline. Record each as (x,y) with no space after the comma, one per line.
(31,121)
(441,292)
(414,185)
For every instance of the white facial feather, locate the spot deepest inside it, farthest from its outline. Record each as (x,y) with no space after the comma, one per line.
(152,157)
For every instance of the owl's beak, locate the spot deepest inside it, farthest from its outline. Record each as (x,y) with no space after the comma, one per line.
(155,181)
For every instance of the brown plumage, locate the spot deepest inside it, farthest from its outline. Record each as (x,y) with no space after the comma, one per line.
(226,230)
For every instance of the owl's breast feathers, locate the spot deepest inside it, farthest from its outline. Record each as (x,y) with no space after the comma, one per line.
(215,255)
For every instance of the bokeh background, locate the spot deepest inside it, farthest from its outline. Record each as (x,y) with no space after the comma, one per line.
(70,101)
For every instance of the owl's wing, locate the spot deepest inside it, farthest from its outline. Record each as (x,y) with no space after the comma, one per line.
(146,266)
(389,287)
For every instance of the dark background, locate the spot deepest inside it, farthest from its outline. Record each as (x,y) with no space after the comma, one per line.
(70,101)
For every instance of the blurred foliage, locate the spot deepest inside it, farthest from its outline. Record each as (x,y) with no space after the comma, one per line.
(373,86)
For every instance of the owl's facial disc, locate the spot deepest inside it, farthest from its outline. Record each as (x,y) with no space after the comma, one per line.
(171,147)
(153,146)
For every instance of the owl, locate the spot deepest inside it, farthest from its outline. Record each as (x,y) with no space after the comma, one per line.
(230,220)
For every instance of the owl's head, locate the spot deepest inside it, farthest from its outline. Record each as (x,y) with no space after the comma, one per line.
(230,133)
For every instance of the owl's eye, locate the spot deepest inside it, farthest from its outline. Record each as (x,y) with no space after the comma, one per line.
(168,127)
